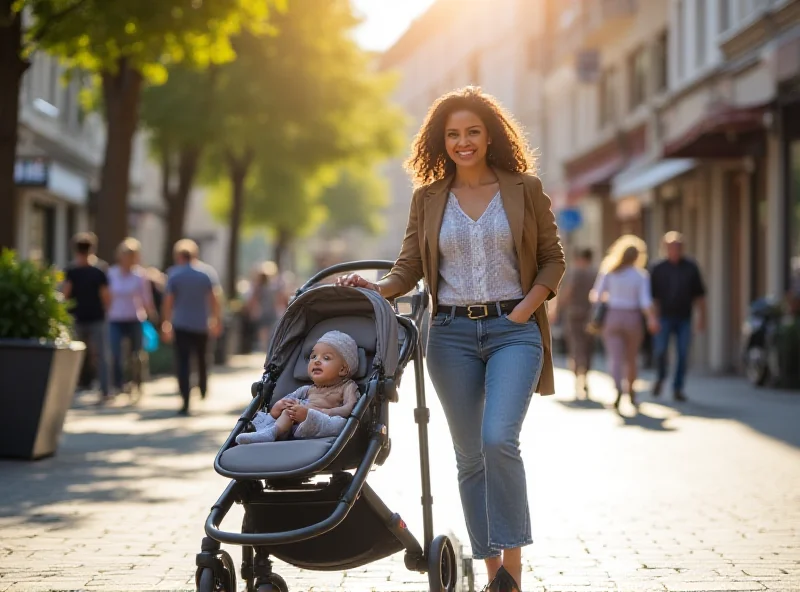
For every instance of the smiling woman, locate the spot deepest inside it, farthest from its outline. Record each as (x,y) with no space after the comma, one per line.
(482,234)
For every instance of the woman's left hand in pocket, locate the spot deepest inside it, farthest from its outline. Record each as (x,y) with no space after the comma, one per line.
(519,317)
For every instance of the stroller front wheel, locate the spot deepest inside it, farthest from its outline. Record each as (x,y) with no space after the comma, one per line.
(442,568)
(276,584)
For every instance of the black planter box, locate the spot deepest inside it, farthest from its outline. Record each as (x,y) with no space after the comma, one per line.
(37,385)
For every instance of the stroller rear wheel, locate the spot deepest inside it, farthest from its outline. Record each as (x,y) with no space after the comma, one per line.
(442,567)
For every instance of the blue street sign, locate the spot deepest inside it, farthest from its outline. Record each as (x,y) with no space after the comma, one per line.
(569,219)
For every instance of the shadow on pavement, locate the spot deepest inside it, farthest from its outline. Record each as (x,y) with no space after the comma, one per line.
(646,422)
(774,413)
(582,404)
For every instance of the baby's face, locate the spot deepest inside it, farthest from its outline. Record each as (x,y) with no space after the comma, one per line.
(326,365)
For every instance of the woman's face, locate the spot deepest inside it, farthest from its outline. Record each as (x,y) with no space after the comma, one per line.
(466,139)
(126,259)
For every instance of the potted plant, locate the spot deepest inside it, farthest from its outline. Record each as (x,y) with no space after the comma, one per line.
(39,366)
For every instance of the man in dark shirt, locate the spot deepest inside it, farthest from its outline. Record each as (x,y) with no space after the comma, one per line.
(677,287)
(87,285)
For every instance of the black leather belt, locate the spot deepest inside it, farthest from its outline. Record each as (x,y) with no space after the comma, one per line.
(480,311)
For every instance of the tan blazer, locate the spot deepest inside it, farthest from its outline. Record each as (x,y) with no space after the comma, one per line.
(533,227)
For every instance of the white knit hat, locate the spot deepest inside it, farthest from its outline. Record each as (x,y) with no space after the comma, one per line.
(346,346)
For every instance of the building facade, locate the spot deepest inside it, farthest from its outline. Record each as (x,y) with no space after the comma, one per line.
(59,154)
(649,116)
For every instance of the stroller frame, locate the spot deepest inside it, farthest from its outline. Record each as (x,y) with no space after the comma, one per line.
(344,491)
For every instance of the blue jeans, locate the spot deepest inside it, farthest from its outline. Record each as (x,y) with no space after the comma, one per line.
(120,330)
(681,327)
(95,336)
(484,373)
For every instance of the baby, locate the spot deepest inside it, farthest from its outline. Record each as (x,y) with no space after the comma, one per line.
(319,410)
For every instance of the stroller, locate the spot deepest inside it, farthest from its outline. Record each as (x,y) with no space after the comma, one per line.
(339,523)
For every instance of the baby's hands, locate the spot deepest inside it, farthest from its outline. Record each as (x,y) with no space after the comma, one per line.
(298,413)
(278,408)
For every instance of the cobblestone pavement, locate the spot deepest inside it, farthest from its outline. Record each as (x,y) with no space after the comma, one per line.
(698,496)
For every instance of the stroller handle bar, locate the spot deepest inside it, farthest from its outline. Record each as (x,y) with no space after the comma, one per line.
(349,267)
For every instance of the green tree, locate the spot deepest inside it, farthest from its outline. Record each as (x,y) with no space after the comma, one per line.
(355,201)
(126,43)
(294,106)
(177,114)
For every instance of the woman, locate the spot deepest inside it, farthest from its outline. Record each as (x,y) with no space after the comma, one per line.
(131,302)
(483,236)
(624,286)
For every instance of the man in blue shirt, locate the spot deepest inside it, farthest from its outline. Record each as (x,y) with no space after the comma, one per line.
(191,312)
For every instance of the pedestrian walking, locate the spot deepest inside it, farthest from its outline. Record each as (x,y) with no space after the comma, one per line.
(482,234)
(678,289)
(87,286)
(623,288)
(575,311)
(131,304)
(191,313)
(262,302)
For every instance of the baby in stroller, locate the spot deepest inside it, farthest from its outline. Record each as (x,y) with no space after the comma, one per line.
(319,410)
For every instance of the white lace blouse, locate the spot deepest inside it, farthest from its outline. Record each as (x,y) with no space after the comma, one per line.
(477,260)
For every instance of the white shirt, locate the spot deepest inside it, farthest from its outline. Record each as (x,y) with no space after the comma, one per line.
(477,260)
(626,289)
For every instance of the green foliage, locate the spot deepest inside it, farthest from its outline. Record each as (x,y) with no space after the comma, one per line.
(307,101)
(30,305)
(94,35)
(355,201)
(178,112)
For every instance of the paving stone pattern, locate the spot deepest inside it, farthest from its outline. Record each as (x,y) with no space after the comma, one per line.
(677,498)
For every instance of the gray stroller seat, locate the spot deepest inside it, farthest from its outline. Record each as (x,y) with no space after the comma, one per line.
(295,455)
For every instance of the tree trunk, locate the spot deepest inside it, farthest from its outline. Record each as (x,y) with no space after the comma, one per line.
(237,168)
(283,241)
(178,200)
(121,93)
(12,67)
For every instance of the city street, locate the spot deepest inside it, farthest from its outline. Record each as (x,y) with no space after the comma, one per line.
(699,496)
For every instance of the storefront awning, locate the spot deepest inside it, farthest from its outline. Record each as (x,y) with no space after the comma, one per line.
(726,131)
(587,181)
(643,178)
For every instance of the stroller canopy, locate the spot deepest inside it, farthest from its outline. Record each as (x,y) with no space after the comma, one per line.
(326,302)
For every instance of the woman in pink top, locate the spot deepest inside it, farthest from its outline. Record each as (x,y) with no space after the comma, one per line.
(131,301)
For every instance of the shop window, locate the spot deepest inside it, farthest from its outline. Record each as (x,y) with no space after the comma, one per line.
(660,63)
(41,232)
(701,8)
(724,15)
(637,78)
(606,97)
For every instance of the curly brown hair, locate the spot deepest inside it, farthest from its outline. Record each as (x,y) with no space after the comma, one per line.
(509,149)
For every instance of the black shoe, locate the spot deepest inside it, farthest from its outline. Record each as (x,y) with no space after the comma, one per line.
(502,582)
(657,388)
(184,411)
(680,397)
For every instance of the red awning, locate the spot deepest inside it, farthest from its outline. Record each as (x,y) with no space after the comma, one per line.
(726,131)
(584,182)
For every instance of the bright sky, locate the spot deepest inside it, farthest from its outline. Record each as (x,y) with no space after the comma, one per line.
(386,20)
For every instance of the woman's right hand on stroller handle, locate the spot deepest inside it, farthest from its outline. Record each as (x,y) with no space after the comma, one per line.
(354,280)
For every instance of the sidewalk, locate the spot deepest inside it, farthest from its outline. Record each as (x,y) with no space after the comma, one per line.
(675,497)
(123,503)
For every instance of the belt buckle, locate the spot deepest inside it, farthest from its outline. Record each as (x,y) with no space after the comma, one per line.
(478,306)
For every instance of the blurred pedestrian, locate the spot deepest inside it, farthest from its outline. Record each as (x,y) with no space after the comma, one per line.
(191,312)
(87,286)
(575,311)
(131,304)
(263,301)
(678,289)
(623,287)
